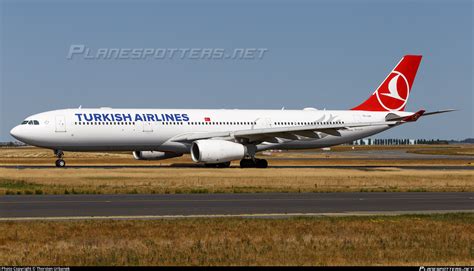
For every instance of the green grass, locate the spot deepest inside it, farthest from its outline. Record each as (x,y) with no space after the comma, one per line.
(15,187)
(19,185)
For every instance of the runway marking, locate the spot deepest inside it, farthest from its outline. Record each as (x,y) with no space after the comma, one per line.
(271,215)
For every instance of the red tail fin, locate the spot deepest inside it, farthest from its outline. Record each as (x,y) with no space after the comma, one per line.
(393,93)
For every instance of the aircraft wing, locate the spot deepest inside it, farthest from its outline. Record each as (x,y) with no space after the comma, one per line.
(272,134)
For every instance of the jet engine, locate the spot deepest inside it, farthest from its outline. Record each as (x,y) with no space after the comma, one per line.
(154,155)
(216,151)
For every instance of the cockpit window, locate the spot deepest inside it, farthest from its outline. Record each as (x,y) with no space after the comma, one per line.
(30,122)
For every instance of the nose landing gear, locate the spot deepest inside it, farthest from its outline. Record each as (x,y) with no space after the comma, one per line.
(60,162)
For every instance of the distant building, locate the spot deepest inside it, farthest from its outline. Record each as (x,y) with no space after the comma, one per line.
(12,144)
(405,141)
(386,141)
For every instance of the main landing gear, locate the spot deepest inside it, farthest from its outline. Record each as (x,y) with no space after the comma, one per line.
(60,162)
(255,162)
(219,165)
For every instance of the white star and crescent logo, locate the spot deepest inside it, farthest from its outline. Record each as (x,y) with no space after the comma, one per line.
(394,95)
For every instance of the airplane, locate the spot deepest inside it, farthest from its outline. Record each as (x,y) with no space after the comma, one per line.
(215,137)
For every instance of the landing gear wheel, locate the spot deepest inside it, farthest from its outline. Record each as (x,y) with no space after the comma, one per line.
(247,163)
(60,163)
(253,163)
(261,163)
(224,165)
(219,165)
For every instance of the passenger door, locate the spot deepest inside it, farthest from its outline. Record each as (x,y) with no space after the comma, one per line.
(264,122)
(147,126)
(60,124)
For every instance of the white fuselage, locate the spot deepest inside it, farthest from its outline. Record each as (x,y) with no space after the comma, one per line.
(107,129)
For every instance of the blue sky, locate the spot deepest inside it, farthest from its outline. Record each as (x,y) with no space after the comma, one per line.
(323,54)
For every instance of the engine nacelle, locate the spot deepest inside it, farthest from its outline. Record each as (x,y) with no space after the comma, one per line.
(216,151)
(154,155)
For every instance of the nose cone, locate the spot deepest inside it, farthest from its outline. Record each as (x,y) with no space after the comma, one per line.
(16,132)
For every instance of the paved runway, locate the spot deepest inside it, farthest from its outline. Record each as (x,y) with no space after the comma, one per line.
(188,165)
(389,155)
(259,204)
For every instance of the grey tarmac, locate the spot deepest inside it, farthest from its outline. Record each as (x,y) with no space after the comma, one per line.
(246,205)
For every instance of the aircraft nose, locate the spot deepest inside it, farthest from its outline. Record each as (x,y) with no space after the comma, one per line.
(15,132)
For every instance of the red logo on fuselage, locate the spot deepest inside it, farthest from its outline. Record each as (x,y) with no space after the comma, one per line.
(393,93)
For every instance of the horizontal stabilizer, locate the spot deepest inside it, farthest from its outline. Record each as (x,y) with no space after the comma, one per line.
(439,112)
(414,117)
